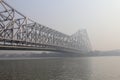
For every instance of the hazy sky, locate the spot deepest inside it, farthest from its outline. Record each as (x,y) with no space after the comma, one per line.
(101,18)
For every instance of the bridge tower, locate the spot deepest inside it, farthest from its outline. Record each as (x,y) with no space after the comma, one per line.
(81,37)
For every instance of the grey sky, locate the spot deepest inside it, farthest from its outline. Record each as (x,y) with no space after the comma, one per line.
(101,18)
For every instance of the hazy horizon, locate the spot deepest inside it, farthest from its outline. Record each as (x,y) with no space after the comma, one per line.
(100,18)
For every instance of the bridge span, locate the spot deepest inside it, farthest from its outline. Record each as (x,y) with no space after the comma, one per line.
(18,32)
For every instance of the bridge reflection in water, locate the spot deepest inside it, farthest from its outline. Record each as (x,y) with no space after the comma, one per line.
(19,32)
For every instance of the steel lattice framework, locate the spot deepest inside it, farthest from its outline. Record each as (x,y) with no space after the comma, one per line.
(18,30)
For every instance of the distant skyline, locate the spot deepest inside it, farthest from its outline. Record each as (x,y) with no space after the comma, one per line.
(101,18)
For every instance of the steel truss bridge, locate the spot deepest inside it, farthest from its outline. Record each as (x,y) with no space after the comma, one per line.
(21,33)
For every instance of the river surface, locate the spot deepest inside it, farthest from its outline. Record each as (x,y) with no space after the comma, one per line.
(82,68)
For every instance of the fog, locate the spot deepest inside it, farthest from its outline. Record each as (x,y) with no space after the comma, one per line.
(100,18)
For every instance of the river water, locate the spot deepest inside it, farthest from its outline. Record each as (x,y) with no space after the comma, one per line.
(81,68)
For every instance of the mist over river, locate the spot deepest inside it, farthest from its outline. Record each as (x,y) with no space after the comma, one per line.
(81,68)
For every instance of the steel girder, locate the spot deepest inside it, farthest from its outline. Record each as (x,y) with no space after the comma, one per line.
(18,30)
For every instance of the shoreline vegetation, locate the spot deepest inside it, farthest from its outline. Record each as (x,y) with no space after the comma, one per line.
(57,54)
